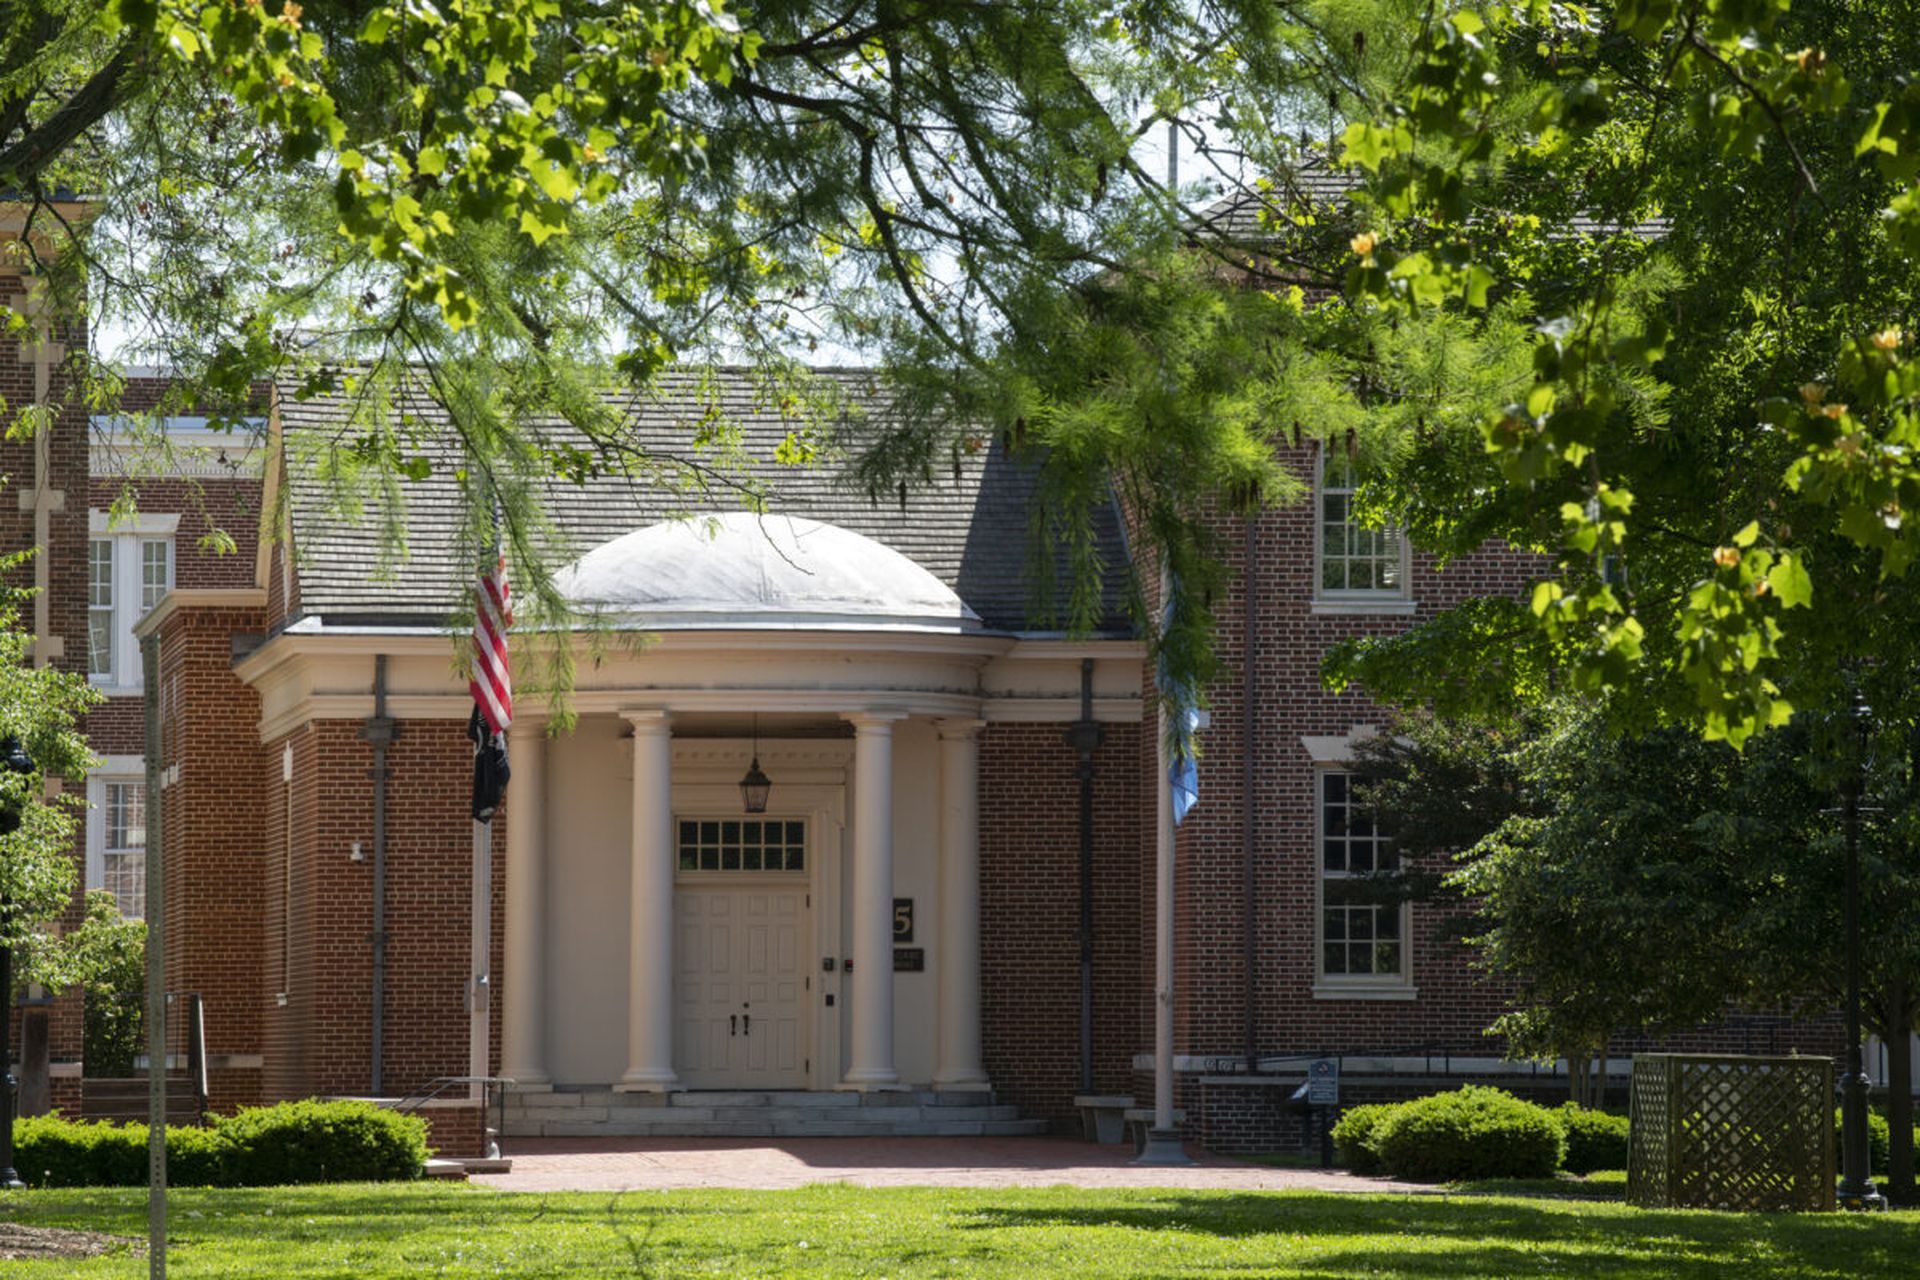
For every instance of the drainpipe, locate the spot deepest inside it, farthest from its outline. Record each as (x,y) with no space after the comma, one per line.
(1083,736)
(379,730)
(1248,916)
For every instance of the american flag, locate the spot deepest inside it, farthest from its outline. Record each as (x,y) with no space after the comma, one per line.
(492,682)
(492,686)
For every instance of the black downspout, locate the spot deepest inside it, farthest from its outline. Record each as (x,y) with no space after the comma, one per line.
(1248,916)
(1083,736)
(379,730)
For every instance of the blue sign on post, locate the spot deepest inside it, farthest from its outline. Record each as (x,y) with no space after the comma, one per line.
(1323,1082)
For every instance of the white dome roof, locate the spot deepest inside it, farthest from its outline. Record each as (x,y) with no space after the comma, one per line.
(742,570)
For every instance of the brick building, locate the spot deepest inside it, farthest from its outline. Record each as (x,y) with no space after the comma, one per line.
(654,948)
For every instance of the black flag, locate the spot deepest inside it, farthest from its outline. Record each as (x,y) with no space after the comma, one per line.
(490,771)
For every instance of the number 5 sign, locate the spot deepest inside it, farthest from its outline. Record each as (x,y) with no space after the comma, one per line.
(903,919)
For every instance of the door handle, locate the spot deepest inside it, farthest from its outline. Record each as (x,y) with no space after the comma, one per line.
(746,1024)
(731,1029)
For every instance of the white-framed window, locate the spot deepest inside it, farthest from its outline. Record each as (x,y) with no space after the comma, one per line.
(755,846)
(1354,565)
(117,832)
(129,568)
(1361,942)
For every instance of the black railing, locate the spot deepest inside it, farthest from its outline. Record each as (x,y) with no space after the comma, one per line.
(493,1101)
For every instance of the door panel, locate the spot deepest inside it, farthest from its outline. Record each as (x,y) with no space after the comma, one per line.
(740,988)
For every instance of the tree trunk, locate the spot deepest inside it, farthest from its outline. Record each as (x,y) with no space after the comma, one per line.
(1899,1040)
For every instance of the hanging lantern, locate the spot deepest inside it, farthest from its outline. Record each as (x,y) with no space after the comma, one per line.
(756,786)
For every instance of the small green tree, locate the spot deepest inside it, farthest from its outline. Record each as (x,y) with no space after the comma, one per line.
(105,959)
(40,707)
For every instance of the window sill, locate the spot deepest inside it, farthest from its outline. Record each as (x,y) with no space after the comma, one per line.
(1324,990)
(119,690)
(1394,607)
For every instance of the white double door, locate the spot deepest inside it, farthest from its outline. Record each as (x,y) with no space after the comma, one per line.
(741,986)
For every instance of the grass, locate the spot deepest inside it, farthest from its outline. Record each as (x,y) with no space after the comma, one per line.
(838,1231)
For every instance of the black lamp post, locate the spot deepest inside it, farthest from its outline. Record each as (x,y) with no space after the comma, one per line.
(1856,1174)
(14,759)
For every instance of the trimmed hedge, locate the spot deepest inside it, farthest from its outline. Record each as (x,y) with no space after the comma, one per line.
(322,1142)
(1353,1136)
(1473,1132)
(1595,1139)
(257,1147)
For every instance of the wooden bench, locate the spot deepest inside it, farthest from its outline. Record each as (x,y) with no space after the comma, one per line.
(1103,1117)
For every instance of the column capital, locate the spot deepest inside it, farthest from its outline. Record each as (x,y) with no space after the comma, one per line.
(873,719)
(524,727)
(648,720)
(960,728)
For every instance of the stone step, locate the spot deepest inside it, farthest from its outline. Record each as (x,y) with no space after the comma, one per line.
(596,1111)
(638,1126)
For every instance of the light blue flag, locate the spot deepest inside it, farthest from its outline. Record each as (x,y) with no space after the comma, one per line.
(1183,723)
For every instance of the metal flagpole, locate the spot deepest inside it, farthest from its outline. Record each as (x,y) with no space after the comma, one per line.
(481,990)
(1163,1145)
(492,688)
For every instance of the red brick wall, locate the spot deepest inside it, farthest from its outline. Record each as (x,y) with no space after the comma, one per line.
(319,1041)
(1289,644)
(1030,914)
(212,835)
(207,507)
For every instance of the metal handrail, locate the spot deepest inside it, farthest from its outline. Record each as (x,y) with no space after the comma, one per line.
(493,1093)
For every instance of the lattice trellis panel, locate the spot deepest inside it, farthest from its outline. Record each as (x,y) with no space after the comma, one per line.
(1731,1132)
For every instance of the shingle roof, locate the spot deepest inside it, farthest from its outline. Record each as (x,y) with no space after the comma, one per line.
(1312,186)
(969,529)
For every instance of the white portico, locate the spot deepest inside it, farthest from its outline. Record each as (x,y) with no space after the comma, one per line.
(658,937)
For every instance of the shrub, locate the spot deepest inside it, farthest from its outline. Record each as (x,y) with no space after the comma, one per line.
(261,1146)
(51,1152)
(1353,1136)
(1474,1132)
(1595,1139)
(1879,1139)
(322,1142)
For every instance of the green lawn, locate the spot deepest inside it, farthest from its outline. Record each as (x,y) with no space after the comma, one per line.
(833,1231)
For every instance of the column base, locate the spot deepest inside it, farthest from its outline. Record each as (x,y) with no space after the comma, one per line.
(528,1081)
(648,1080)
(871,1081)
(1163,1147)
(962,1082)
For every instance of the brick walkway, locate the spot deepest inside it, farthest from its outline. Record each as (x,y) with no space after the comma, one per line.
(635,1164)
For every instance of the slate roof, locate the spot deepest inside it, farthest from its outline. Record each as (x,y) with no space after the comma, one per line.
(1314,186)
(970,530)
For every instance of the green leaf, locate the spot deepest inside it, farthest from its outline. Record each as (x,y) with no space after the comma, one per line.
(1790,582)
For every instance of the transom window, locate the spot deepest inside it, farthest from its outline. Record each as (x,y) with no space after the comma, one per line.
(1359,935)
(743,844)
(1354,560)
(124,846)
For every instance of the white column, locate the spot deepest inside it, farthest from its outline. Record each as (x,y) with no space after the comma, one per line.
(650,913)
(872,1066)
(523,1039)
(961,1065)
